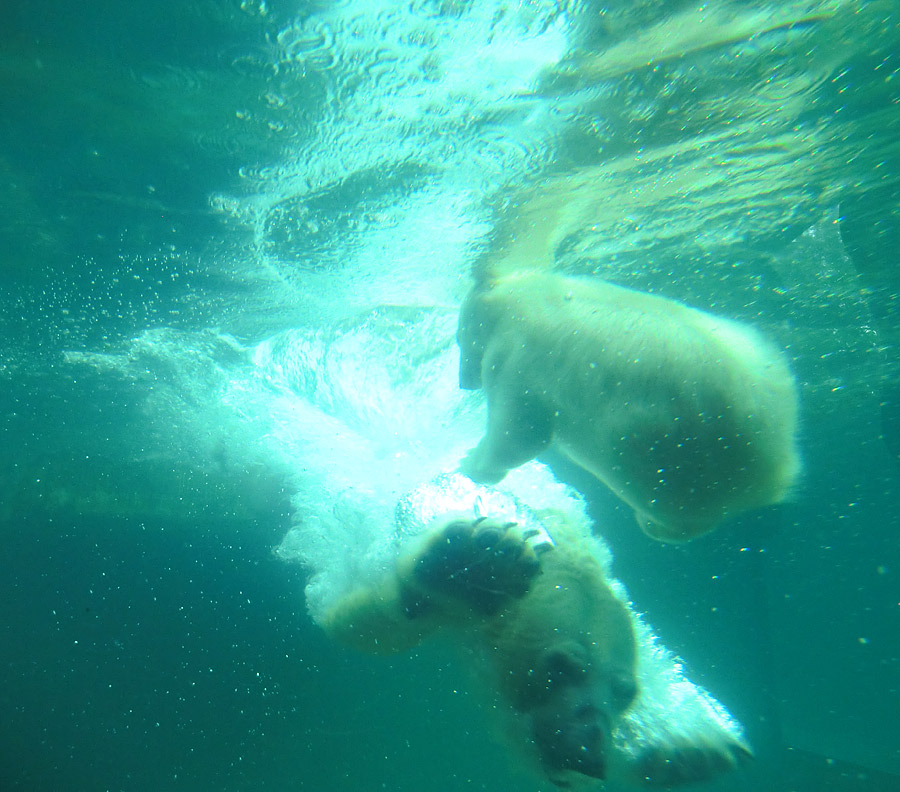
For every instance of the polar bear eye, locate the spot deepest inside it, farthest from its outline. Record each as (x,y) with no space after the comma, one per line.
(623,690)
(561,666)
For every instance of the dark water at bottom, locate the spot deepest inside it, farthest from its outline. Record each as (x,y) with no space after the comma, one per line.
(150,657)
(142,656)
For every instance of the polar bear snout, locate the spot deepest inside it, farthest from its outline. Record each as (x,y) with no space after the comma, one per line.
(572,739)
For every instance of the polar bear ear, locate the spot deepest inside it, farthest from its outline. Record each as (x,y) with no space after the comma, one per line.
(471,350)
(478,317)
(470,368)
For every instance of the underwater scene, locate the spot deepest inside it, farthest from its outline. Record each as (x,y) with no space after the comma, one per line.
(450,395)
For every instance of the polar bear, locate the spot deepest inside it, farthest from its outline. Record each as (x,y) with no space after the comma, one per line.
(590,694)
(687,417)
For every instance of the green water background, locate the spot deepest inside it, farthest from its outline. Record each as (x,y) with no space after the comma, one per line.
(152,640)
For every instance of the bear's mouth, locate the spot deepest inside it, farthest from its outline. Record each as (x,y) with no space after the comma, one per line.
(578,745)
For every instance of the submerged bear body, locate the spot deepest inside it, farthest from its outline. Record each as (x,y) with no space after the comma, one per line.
(689,418)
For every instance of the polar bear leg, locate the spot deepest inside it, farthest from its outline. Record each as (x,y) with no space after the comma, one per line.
(462,567)
(675,732)
(519,427)
(673,533)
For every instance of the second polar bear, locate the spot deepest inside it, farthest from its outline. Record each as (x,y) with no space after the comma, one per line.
(530,599)
(689,418)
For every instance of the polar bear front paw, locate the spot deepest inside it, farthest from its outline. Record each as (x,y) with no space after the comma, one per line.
(480,563)
(473,466)
(689,764)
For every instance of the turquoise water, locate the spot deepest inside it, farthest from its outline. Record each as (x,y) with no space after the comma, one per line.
(206,202)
